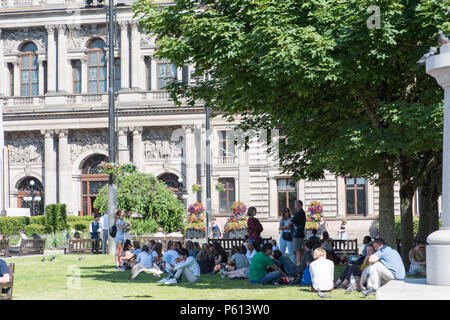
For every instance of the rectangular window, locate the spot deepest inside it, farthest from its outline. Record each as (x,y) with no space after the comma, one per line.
(97,72)
(227,197)
(355,191)
(76,76)
(29,75)
(117,74)
(185,74)
(11,79)
(166,73)
(148,72)
(287,194)
(226,143)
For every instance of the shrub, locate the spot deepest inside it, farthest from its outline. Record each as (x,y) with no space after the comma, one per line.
(34,228)
(12,225)
(56,217)
(144,226)
(80,227)
(57,240)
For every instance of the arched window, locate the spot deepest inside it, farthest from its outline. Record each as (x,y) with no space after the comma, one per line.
(91,182)
(97,70)
(171,180)
(31,195)
(29,70)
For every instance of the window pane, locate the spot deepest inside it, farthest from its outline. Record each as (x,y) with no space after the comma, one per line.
(149,74)
(116,85)
(349,181)
(185,74)
(34,89)
(25,76)
(102,73)
(92,73)
(34,63)
(361,201)
(92,59)
(360,181)
(25,62)
(162,70)
(292,198)
(97,44)
(77,74)
(161,83)
(35,76)
(102,85)
(230,184)
(92,86)
(77,87)
(231,198)
(281,202)
(350,201)
(291,184)
(173,70)
(281,184)
(223,201)
(25,90)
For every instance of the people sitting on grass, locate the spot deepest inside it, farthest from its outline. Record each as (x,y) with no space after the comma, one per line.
(178,246)
(327,245)
(136,248)
(366,241)
(187,267)
(354,269)
(197,247)
(157,255)
(417,257)
(274,245)
(144,263)
(251,251)
(128,258)
(365,267)
(170,256)
(220,256)
(4,274)
(259,266)
(191,249)
(205,260)
(237,260)
(321,271)
(314,236)
(385,265)
(244,246)
(289,267)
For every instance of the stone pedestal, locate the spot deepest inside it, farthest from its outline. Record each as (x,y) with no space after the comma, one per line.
(438,248)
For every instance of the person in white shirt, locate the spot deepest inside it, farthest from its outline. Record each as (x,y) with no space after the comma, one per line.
(159,233)
(187,267)
(250,250)
(104,226)
(322,271)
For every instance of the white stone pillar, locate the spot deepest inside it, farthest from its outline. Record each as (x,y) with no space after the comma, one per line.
(41,76)
(135,54)
(84,75)
(341,197)
(51,59)
(123,151)
(49,167)
(16,65)
(189,160)
(438,248)
(154,71)
(124,56)
(137,148)
(61,58)
(64,167)
(244,175)
(3,84)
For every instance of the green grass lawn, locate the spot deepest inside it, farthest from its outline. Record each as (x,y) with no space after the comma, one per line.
(99,280)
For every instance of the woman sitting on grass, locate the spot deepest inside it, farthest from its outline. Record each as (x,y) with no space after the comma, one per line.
(205,260)
(191,249)
(220,256)
(344,280)
(322,271)
(156,253)
(128,258)
(170,256)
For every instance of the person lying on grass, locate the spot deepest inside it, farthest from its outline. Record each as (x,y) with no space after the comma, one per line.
(187,267)
(259,265)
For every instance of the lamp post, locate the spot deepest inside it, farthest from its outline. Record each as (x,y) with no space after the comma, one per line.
(208,173)
(32,197)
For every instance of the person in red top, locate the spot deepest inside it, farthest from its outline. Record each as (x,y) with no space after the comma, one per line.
(254,227)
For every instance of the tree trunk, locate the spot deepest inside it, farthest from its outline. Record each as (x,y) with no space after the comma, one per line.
(406,195)
(424,211)
(386,219)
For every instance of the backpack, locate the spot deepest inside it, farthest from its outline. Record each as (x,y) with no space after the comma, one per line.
(113,231)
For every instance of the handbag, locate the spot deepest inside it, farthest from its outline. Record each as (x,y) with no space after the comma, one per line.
(113,231)
(287,236)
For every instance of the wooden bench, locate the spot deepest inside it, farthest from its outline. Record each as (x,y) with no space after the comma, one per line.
(4,247)
(345,247)
(77,246)
(143,240)
(28,246)
(228,244)
(9,285)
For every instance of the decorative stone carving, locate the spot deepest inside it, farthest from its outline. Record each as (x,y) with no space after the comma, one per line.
(13,38)
(148,41)
(81,141)
(158,144)
(24,147)
(78,37)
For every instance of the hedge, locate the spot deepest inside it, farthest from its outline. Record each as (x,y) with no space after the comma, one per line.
(56,217)
(34,228)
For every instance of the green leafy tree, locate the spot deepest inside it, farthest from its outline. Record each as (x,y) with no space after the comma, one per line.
(148,197)
(350,99)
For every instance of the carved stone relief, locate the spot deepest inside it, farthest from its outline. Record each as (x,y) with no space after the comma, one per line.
(24,147)
(78,37)
(81,141)
(158,145)
(147,40)
(13,38)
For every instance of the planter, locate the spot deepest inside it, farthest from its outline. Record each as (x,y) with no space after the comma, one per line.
(236,234)
(195,234)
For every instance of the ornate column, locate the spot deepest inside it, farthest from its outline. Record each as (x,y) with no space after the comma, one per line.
(51,59)
(124,56)
(438,248)
(16,65)
(135,53)
(41,76)
(61,57)
(50,182)
(137,148)
(189,161)
(84,79)
(123,150)
(64,167)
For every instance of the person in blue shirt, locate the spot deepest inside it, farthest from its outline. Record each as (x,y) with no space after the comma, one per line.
(4,274)
(187,267)
(170,257)
(122,228)
(144,257)
(385,265)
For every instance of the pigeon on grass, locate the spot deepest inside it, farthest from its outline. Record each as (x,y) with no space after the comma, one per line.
(43,259)
(321,294)
(52,258)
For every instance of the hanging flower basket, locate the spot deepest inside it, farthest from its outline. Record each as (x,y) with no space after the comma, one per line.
(315,212)
(197,188)
(220,187)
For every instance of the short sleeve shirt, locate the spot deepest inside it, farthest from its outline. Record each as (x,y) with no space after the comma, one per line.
(391,259)
(258,266)
(145,258)
(3,268)
(240,260)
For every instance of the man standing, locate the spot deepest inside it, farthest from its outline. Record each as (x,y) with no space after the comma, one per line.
(297,224)
(104,225)
(94,229)
(385,265)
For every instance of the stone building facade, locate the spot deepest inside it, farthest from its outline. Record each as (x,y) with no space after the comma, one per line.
(53,93)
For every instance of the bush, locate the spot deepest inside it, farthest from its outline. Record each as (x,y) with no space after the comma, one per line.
(143,226)
(12,225)
(57,240)
(56,217)
(80,227)
(34,228)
